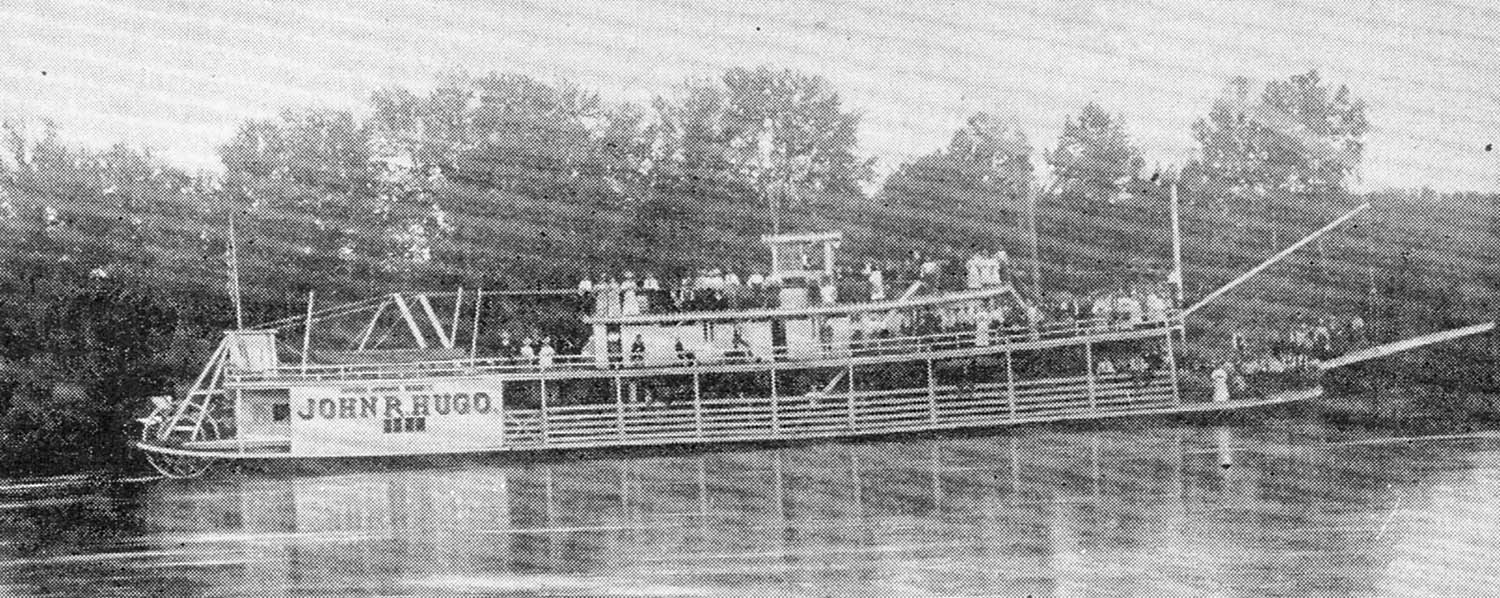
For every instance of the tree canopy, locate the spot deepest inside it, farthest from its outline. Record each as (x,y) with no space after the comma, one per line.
(784,133)
(1094,158)
(1299,137)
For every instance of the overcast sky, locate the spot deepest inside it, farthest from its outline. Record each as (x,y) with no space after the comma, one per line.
(177,76)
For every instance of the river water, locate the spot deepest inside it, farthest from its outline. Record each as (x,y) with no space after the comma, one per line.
(1286,507)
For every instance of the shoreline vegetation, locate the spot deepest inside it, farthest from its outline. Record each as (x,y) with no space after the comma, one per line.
(116,286)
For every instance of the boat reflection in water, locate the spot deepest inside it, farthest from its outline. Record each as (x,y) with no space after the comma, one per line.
(1045,513)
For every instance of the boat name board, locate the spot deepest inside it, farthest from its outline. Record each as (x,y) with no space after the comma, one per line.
(416,400)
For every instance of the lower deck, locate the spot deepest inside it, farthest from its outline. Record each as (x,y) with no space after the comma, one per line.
(721,419)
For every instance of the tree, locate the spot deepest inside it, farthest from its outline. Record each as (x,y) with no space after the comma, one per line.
(1094,158)
(1300,137)
(784,134)
(324,149)
(977,185)
(72,372)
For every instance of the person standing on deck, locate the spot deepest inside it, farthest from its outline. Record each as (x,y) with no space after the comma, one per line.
(1103,308)
(734,292)
(829,292)
(681,296)
(528,352)
(739,349)
(876,280)
(1002,268)
(1128,310)
(638,350)
(1221,383)
(547,355)
(975,267)
(507,348)
(630,301)
(1138,370)
(614,345)
(1156,308)
(1322,337)
(611,298)
(758,292)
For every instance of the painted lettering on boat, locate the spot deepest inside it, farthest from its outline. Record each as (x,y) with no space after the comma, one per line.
(398,405)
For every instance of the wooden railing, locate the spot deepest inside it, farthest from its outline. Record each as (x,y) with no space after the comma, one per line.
(824,354)
(744,419)
(844,414)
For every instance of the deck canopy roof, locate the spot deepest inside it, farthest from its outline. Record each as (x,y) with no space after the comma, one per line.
(802,238)
(817,310)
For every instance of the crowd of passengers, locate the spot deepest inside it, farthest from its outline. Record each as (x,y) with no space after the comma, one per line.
(1285,357)
(1301,345)
(723,289)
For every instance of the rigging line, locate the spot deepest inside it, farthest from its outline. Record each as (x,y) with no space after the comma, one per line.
(1275,258)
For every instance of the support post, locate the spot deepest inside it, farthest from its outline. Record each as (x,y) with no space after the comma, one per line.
(411,322)
(542,385)
(698,404)
(234,277)
(828,259)
(932,406)
(458,305)
(503,422)
(239,415)
(1172,367)
(364,338)
(1177,274)
(1010,384)
(775,405)
(437,325)
(853,418)
(619,407)
(1088,360)
(474,335)
(307,332)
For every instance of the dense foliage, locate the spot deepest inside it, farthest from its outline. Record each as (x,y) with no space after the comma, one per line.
(115,284)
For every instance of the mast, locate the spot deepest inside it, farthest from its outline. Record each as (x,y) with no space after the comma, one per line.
(1036,261)
(1177,274)
(234,277)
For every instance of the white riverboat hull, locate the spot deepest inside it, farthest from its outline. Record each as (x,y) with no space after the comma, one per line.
(260,449)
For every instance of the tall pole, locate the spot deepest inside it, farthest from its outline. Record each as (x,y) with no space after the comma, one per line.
(307,332)
(1036,260)
(1177,274)
(234,277)
(474,336)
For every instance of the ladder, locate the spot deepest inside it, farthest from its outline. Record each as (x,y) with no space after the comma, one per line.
(187,416)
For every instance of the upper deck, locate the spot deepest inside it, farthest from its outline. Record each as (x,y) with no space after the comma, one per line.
(797,317)
(938,346)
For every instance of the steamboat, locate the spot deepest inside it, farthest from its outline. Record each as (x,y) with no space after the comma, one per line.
(802,354)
